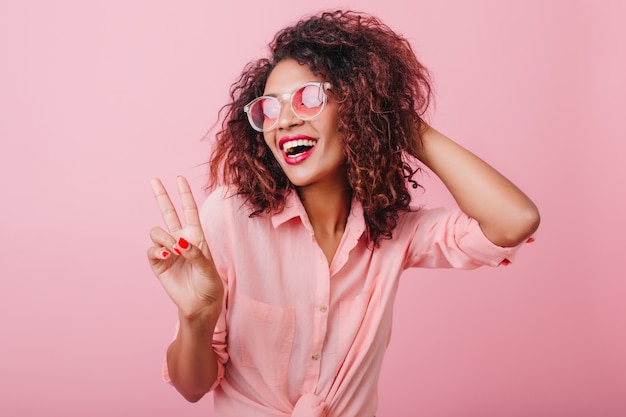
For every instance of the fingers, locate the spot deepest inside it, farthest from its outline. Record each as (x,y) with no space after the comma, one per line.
(197,257)
(168,212)
(158,254)
(166,247)
(164,242)
(190,208)
(163,245)
(170,242)
(161,238)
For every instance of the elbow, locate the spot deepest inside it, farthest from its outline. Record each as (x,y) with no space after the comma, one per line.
(530,220)
(522,226)
(513,229)
(191,392)
(192,397)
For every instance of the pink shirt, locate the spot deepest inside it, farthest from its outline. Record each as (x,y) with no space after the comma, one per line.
(299,338)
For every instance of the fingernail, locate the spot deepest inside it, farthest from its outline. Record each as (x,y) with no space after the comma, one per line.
(177,251)
(183,243)
(165,254)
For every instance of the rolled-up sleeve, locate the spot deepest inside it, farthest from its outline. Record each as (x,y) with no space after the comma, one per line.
(451,239)
(219,347)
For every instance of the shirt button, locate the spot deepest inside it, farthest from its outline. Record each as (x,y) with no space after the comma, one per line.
(315,356)
(323,309)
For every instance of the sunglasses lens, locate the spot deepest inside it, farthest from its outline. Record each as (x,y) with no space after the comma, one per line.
(308,101)
(264,112)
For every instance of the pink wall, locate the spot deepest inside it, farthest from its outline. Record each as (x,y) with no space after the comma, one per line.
(97,97)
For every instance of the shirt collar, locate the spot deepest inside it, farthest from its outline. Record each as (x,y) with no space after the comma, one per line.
(294,208)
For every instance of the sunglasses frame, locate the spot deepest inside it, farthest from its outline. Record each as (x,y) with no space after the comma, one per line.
(323,86)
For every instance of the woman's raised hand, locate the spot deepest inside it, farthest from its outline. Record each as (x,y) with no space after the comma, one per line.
(180,257)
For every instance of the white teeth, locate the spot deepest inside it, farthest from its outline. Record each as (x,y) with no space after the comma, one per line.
(289,146)
(298,142)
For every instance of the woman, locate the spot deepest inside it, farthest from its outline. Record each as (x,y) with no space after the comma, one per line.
(286,278)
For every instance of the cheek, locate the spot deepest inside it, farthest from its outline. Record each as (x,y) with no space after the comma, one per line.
(333,131)
(268,139)
(329,124)
(270,142)
(334,127)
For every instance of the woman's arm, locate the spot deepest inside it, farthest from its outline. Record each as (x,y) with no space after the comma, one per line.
(505,214)
(181,259)
(191,361)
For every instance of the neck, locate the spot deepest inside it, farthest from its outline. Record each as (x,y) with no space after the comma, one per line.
(327,205)
(328,209)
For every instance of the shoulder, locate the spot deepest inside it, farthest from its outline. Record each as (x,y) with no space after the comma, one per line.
(224,212)
(223,200)
(226,223)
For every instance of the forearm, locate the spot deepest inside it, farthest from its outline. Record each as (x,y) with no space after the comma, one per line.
(191,360)
(505,214)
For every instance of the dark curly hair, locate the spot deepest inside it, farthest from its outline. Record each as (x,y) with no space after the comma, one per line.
(382,91)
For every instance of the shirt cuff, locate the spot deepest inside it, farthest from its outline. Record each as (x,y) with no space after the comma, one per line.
(477,246)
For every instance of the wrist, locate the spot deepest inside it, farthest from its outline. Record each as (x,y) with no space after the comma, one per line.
(427,136)
(203,318)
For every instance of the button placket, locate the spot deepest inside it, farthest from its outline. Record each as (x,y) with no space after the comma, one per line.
(320,323)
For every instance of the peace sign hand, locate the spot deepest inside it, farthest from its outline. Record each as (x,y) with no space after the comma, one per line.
(180,257)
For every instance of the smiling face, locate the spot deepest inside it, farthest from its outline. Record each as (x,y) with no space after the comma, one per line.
(310,152)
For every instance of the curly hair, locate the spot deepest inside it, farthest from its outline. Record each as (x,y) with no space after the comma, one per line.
(382,91)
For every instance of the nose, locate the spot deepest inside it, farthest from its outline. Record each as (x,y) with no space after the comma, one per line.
(287,118)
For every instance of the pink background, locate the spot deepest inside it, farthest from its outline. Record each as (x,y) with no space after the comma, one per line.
(96,97)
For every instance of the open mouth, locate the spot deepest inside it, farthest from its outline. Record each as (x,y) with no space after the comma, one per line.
(297,147)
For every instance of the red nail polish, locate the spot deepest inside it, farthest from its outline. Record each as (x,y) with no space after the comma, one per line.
(165,254)
(177,251)
(183,243)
